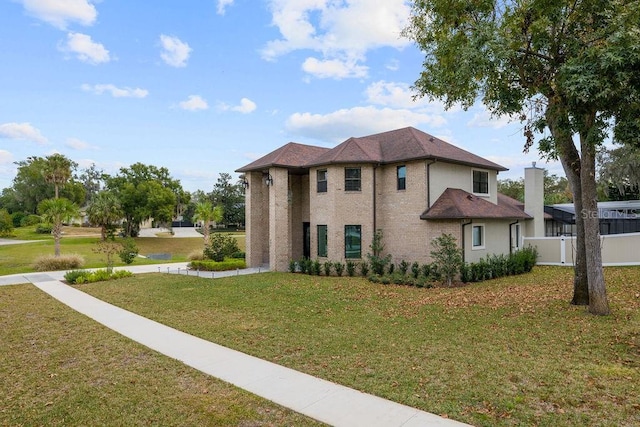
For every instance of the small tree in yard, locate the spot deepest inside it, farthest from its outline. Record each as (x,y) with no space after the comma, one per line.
(376,260)
(109,249)
(447,257)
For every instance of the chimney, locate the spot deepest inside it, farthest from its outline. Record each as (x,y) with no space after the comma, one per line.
(534,200)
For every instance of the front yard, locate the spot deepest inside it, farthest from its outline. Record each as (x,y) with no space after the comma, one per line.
(504,352)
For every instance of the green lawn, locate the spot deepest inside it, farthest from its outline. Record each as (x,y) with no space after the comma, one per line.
(77,240)
(500,353)
(59,368)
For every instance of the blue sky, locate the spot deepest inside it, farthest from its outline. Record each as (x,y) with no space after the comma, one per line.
(204,87)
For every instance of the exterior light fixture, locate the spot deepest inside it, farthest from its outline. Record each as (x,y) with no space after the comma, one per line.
(268,179)
(245,184)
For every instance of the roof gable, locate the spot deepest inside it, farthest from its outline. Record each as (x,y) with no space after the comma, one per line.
(291,155)
(455,203)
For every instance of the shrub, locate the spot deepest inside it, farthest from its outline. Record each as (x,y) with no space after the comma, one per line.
(100,276)
(293,266)
(73,275)
(403,267)
(220,246)
(6,223)
(364,268)
(304,265)
(207,265)
(53,263)
(447,257)
(392,268)
(195,255)
(315,268)
(17,218)
(415,270)
(238,255)
(129,250)
(121,274)
(339,267)
(327,268)
(376,260)
(44,228)
(351,268)
(30,220)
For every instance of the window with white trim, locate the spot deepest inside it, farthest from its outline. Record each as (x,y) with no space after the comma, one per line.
(477,236)
(480,182)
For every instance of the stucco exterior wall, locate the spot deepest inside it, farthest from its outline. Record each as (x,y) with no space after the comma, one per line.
(496,239)
(448,175)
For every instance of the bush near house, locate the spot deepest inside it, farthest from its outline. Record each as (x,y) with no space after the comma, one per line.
(208,265)
(221,246)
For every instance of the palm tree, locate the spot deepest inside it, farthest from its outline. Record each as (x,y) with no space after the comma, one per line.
(207,213)
(55,212)
(104,211)
(57,170)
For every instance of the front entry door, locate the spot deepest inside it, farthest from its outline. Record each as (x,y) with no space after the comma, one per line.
(306,233)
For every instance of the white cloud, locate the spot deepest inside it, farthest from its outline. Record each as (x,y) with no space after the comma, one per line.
(194,103)
(334,68)
(22,131)
(5,157)
(246,106)
(60,13)
(337,29)
(85,49)
(342,124)
(222,5)
(175,51)
(485,120)
(80,145)
(116,92)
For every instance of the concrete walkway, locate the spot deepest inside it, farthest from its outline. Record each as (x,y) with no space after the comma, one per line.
(319,399)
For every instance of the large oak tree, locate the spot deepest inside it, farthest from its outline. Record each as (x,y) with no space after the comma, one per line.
(567,68)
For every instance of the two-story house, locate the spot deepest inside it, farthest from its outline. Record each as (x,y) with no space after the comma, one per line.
(326,204)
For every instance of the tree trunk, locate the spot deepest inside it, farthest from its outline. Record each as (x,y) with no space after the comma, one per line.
(598,302)
(57,235)
(570,160)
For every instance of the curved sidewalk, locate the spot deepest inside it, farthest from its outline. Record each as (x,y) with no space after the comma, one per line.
(322,400)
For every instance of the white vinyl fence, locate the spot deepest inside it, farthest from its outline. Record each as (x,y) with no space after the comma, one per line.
(617,249)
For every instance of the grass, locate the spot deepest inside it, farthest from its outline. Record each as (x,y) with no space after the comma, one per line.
(59,368)
(19,258)
(499,353)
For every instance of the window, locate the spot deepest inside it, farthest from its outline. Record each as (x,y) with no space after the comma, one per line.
(481,182)
(401,172)
(322,240)
(515,235)
(352,181)
(352,241)
(322,181)
(477,237)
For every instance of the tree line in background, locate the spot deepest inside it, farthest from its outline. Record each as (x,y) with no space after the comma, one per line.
(55,188)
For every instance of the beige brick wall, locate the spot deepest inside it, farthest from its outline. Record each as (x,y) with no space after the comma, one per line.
(257,220)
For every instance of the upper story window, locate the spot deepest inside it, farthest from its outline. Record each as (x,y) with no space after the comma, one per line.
(322,181)
(401,173)
(352,180)
(480,182)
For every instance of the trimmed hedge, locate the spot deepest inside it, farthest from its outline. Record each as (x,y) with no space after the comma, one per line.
(227,264)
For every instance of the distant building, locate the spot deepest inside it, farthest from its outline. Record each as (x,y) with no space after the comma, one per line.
(615,218)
